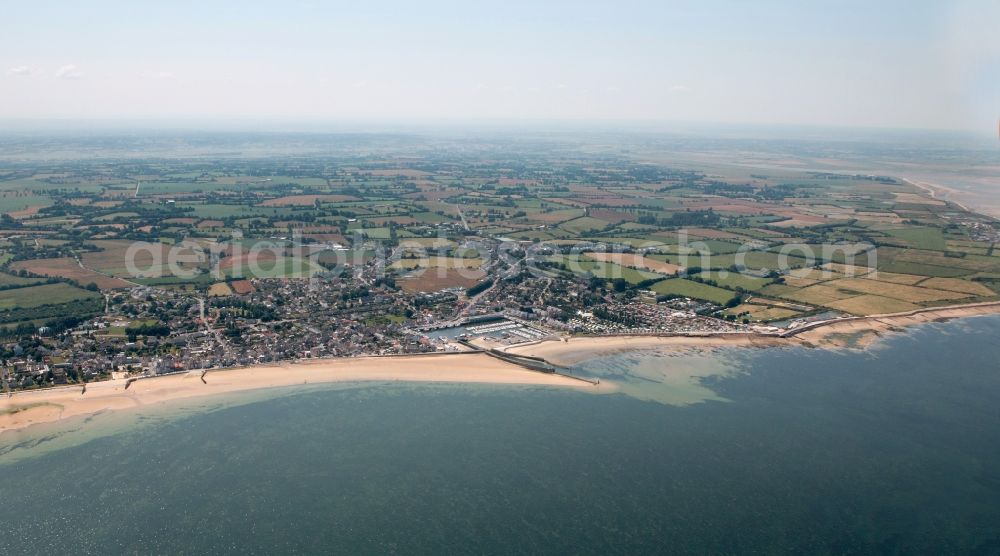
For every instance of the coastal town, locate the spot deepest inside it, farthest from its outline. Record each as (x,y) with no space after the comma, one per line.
(145,268)
(148,331)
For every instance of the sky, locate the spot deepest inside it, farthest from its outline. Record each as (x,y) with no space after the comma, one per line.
(890,63)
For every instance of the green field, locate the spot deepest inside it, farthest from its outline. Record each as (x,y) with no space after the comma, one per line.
(634,242)
(13,203)
(11,280)
(373,233)
(204,278)
(756,260)
(903,267)
(114,215)
(735,280)
(921,238)
(687,288)
(583,225)
(609,271)
(221,211)
(716,247)
(428,217)
(46,294)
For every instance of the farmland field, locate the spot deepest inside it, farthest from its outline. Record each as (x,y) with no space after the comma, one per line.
(757,260)
(14,202)
(241,286)
(896,291)
(762,312)
(955,285)
(11,280)
(920,238)
(687,288)
(439,278)
(373,233)
(584,265)
(635,261)
(819,294)
(436,261)
(907,279)
(734,280)
(306,200)
(872,305)
(583,225)
(220,289)
(268,265)
(67,267)
(45,294)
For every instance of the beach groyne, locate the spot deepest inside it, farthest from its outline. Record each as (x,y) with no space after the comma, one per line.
(530,362)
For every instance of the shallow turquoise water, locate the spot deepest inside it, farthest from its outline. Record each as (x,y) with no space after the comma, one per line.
(896,450)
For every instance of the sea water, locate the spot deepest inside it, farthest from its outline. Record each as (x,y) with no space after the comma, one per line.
(891,450)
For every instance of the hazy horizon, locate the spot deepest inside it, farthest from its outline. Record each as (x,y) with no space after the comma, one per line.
(896,65)
(414,126)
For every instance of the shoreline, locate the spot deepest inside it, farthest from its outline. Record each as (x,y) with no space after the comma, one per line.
(940,193)
(960,198)
(31,407)
(576,349)
(868,330)
(850,332)
(24,409)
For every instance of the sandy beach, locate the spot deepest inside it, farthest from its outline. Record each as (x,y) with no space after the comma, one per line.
(966,199)
(938,192)
(569,351)
(27,408)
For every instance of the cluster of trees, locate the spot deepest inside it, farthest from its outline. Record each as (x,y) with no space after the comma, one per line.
(53,327)
(479,288)
(435,299)
(159,330)
(41,282)
(681,219)
(246,309)
(748,191)
(78,307)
